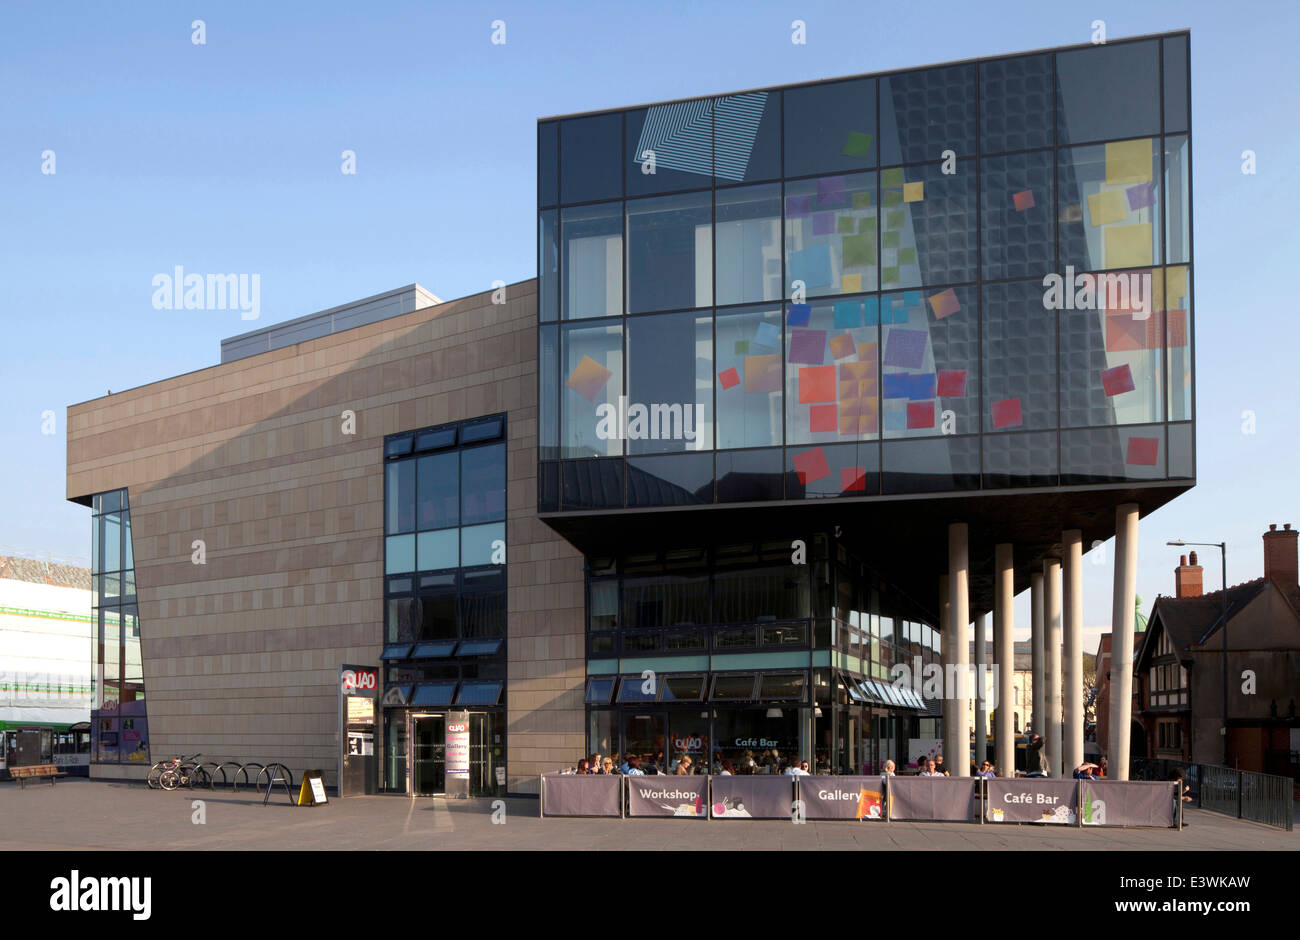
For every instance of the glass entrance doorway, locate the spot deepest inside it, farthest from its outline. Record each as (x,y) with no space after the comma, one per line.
(428,755)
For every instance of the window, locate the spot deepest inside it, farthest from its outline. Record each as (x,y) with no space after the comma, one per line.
(433,693)
(1017,216)
(748,244)
(830,234)
(1110,205)
(479,693)
(483,491)
(593,366)
(1107,92)
(118,723)
(675,141)
(733,687)
(747,137)
(830,128)
(599,691)
(591,261)
(832,370)
(439,485)
(748,363)
(926,112)
(778,688)
(1015,104)
(670,383)
(670,252)
(590,167)
(682,689)
(636,689)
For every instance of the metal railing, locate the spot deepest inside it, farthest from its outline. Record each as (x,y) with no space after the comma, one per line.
(1245,794)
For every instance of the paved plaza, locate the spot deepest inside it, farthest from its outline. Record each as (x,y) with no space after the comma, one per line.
(79,814)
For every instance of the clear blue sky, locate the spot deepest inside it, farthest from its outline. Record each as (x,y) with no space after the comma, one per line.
(225,157)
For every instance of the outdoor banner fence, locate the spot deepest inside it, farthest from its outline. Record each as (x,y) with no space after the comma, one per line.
(667,796)
(842,797)
(913,799)
(1032,799)
(756,796)
(587,795)
(946,799)
(1128,803)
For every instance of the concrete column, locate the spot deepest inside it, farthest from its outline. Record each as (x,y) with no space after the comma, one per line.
(957,741)
(1072,612)
(1121,637)
(945,657)
(1037,717)
(981,703)
(1004,657)
(1052,664)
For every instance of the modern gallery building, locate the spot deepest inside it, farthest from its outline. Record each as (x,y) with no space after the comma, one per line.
(809,377)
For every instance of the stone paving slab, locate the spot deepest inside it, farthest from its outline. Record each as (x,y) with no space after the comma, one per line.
(79,814)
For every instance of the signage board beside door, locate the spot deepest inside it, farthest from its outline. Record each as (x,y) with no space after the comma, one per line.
(458,754)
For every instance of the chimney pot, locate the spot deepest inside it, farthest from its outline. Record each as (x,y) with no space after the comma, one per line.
(1272,527)
(1286,526)
(1187,578)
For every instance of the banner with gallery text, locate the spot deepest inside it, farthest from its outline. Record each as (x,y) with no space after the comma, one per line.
(842,797)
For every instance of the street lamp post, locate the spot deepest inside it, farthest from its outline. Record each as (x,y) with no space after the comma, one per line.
(1223,557)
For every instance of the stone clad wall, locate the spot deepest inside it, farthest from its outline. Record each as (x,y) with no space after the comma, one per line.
(241,653)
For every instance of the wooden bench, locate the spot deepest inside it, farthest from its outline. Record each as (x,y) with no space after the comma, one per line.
(23,774)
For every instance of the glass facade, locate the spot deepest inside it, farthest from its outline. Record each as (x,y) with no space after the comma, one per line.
(750,653)
(118,722)
(967,277)
(444,599)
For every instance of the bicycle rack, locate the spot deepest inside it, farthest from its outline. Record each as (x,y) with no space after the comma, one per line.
(243,769)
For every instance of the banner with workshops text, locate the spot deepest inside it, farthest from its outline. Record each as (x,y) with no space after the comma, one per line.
(667,796)
(1128,802)
(751,797)
(1032,799)
(950,799)
(582,795)
(842,797)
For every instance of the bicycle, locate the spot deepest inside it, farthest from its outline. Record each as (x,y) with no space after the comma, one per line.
(177,772)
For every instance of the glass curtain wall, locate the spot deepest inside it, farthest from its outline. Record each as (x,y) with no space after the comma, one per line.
(118,720)
(965,277)
(445,584)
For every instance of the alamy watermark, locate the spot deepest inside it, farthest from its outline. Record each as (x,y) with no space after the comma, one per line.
(181,291)
(1129,291)
(640,422)
(949,681)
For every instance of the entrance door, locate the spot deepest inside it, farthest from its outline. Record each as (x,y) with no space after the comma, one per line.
(429,766)
(485,753)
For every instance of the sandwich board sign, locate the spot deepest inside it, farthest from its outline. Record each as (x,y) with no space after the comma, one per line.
(312,791)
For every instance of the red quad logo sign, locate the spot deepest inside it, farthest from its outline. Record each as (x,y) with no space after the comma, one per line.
(354,680)
(457,728)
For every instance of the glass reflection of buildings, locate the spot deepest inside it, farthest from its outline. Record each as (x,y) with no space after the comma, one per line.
(843,284)
(119,726)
